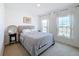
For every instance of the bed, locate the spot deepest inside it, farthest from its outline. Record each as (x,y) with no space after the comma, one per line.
(35,42)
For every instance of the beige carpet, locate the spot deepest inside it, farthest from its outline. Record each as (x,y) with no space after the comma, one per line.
(15,50)
(58,49)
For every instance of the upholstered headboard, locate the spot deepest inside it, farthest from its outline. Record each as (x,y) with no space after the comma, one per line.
(20,28)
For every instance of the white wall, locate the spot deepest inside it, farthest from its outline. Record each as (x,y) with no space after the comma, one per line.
(74,41)
(16,12)
(2,14)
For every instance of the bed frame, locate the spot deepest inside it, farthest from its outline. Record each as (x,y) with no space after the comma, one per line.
(20,28)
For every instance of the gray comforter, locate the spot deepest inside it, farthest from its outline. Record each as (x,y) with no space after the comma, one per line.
(36,42)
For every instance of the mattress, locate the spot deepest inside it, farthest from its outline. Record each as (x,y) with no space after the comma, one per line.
(36,42)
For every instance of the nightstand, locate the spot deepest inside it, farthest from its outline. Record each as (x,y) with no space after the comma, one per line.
(10,38)
(12,33)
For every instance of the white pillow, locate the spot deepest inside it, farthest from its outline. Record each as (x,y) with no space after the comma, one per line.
(26,30)
(34,30)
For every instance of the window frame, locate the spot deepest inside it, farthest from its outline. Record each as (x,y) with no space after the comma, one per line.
(46,26)
(71,21)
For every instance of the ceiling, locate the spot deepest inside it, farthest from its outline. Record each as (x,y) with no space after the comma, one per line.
(32,7)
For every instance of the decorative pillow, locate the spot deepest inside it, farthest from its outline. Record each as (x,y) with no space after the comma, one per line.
(26,30)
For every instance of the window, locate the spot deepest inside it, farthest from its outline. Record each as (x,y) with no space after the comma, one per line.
(44,25)
(64,26)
